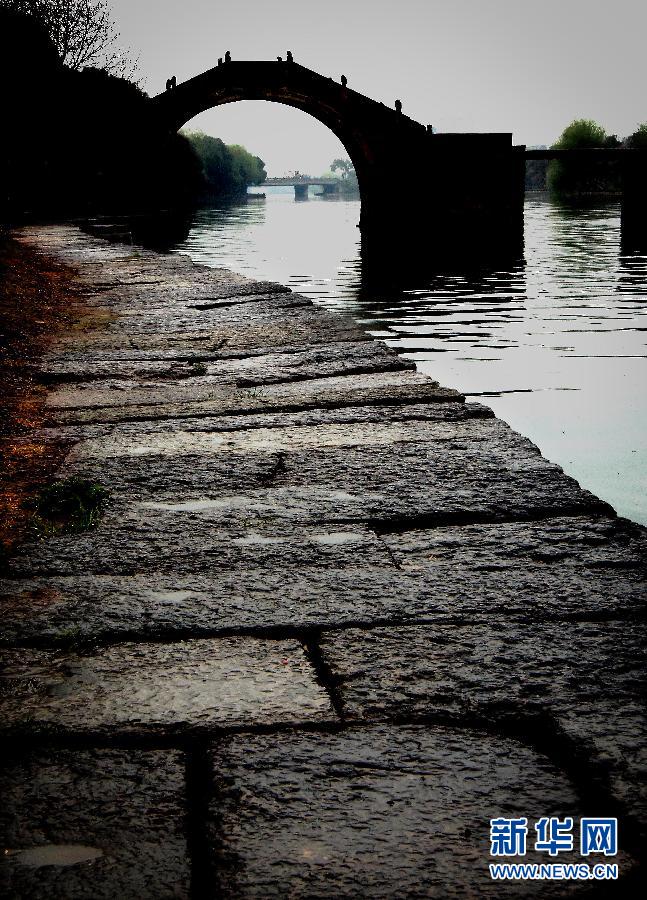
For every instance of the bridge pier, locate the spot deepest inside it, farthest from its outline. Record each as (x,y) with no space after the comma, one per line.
(467,204)
(301,191)
(634,200)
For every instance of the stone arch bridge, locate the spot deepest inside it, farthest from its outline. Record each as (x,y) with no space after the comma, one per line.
(438,193)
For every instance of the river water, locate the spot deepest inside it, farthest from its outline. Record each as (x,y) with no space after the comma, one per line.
(556,345)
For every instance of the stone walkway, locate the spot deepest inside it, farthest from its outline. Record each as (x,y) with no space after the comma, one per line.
(333,618)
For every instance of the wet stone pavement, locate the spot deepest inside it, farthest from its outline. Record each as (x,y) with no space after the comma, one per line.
(331,621)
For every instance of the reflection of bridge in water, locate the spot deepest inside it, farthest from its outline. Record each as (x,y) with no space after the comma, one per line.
(301,184)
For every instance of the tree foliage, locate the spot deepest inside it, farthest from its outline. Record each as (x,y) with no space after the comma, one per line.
(345,166)
(581,133)
(227,170)
(348,183)
(82,31)
(638,140)
(577,177)
(81,143)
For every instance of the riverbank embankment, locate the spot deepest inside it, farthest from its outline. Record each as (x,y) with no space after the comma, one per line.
(37,301)
(326,621)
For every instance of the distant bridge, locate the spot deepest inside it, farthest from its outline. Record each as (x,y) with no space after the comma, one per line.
(454,192)
(301,183)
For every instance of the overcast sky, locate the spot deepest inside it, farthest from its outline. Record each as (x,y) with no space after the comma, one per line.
(461,65)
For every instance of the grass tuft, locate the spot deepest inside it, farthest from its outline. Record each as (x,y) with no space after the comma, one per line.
(68,506)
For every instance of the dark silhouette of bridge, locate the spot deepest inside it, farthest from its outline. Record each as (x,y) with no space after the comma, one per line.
(472,183)
(435,192)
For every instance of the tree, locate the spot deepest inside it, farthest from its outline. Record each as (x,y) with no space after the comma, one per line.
(227,171)
(81,30)
(248,169)
(576,177)
(638,140)
(581,133)
(348,184)
(345,166)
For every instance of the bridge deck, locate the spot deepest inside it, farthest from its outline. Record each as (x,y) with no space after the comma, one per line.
(332,620)
(291,182)
(588,154)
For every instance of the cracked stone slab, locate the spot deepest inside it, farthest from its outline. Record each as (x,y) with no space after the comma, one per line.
(141,477)
(241,338)
(251,598)
(161,544)
(429,412)
(378,813)
(203,289)
(258,325)
(184,686)
(325,361)
(184,297)
(556,542)
(198,464)
(482,435)
(144,322)
(181,283)
(485,481)
(144,318)
(140,311)
(587,676)
(123,401)
(119,813)
(132,538)
(146,295)
(475,489)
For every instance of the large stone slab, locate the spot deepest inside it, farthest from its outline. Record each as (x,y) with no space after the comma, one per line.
(146,323)
(199,464)
(86,607)
(89,606)
(121,402)
(359,494)
(192,685)
(554,544)
(588,677)
(162,543)
(94,823)
(378,813)
(262,368)
(482,435)
(133,538)
(408,412)
(256,326)
(460,667)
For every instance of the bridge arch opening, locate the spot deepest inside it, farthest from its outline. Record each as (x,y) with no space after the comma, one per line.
(368,131)
(288,140)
